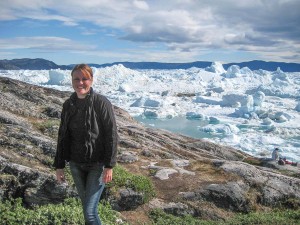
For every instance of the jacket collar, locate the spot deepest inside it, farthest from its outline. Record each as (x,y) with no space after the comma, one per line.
(74,95)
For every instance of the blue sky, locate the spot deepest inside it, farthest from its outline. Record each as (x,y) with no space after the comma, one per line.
(105,31)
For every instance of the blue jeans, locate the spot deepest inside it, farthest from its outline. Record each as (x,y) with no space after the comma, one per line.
(88,181)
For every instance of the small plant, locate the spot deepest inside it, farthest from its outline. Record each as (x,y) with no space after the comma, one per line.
(138,183)
(69,212)
(47,126)
(253,161)
(275,217)
(108,215)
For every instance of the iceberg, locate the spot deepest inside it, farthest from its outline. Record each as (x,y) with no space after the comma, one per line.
(249,110)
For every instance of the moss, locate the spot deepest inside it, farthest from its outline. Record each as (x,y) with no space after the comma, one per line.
(253,161)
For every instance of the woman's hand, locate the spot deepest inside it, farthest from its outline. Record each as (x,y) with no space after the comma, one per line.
(60,176)
(107,175)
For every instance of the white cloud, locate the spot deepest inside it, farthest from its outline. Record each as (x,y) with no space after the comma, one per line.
(173,26)
(145,54)
(186,26)
(141,4)
(43,43)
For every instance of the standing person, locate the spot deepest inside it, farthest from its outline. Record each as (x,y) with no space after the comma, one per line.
(87,139)
(275,154)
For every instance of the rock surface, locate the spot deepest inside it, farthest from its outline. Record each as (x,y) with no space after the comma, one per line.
(191,176)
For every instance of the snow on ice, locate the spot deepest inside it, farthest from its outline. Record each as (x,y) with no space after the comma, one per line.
(253,111)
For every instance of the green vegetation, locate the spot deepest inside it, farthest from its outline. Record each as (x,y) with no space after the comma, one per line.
(70,212)
(258,162)
(12,212)
(138,183)
(290,173)
(253,161)
(275,217)
(46,126)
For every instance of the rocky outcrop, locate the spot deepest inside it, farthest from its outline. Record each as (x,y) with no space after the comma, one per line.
(33,186)
(191,176)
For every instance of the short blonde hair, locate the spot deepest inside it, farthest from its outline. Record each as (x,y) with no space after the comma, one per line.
(85,69)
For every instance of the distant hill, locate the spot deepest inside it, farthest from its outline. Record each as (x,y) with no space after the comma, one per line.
(43,64)
(158,65)
(29,64)
(270,66)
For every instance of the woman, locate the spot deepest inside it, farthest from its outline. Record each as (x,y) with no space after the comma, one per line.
(87,139)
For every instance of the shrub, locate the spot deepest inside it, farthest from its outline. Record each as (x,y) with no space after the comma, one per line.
(12,212)
(138,183)
(49,127)
(275,217)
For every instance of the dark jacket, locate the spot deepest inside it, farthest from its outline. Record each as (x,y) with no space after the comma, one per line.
(101,134)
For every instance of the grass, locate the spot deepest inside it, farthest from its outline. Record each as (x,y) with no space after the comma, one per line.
(253,161)
(46,126)
(12,212)
(290,173)
(124,179)
(69,212)
(275,217)
(138,183)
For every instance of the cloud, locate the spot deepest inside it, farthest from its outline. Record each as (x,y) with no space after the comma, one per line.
(170,21)
(253,26)
(161,26)
(146,54)
(187,26)
(43,43)
(249,39)
(141,5)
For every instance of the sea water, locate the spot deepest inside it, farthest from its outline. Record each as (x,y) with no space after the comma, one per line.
(192,128)
(179,125)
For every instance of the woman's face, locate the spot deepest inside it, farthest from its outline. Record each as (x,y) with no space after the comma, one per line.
(81,83)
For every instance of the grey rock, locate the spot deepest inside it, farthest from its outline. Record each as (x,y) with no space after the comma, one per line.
(129,199)
(178,209)
(127,157)
(163,174)
(148,153)
(275,188)
(216,181)
(53,112)
(175,208)
(129,144)
(9,118)
(48,191)
(231,195)
(36,187)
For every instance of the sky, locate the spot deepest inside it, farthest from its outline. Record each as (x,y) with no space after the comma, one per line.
(106,31)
